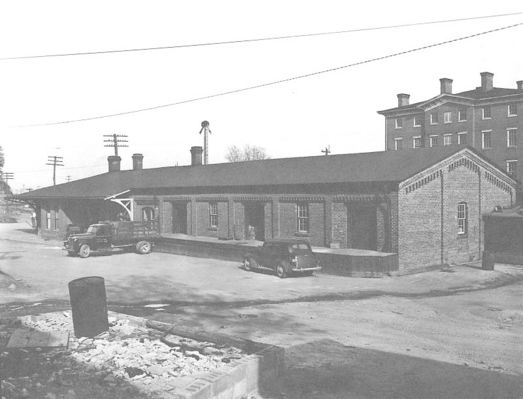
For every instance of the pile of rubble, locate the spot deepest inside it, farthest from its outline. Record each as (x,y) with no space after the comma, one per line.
(129,354)
(135,352)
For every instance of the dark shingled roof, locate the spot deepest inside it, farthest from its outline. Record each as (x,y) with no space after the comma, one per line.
(479,94)
(389,166)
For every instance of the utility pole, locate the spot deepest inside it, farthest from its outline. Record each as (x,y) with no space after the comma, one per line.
(6,176)
(115,141)
(326,150)
(54,161)
(205,129)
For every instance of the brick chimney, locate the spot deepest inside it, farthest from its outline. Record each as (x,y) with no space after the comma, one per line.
(445,86)
(487,81)
(403,99)
(114,163)
(519,83)
(196,155)
(137,161)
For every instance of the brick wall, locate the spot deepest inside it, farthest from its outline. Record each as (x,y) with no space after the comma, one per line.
(317,223)
(423,220)
(239,221)
(288,219)
(202,220)
(223,220)
(166,218)
(339,224)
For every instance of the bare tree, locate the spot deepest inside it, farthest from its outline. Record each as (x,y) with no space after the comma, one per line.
(247,153)
(2,160)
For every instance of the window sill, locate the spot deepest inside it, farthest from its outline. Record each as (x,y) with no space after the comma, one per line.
(213,228)
(512,116)
(462,235)
(302,234)
(464,120)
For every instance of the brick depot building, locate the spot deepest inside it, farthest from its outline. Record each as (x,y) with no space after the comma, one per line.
(487,118)
(426,206)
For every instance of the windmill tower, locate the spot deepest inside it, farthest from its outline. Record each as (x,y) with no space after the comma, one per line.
(206,131)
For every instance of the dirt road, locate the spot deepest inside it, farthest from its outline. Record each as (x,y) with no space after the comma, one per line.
(452,334)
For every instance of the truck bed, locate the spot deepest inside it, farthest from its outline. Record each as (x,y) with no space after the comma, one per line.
(124,232)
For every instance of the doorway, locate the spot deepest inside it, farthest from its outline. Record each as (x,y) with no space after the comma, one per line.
(255,221)
(179,217)
(362,226)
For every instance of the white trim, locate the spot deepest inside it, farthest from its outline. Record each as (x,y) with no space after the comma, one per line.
(446,136)
(459,112)
(511,161)
(396,140)
(430,139)
(449,113)
(127,204)
(414,141)
(414,121)
(483,139)
(430,118)
(508,110)
(461,134)
(509,129)
(396,125)
(116,195)
(465,152)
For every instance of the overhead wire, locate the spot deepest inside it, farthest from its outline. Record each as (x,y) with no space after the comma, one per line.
(253,40)
(276,82)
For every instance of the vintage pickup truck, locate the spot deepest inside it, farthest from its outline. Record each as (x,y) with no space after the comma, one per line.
(283,256)
(108,236)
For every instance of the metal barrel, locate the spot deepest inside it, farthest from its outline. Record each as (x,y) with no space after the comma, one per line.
(88,306)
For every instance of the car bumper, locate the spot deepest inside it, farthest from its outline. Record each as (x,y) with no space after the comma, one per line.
(306,269)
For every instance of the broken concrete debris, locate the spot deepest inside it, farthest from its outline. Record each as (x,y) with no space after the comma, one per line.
(127,353)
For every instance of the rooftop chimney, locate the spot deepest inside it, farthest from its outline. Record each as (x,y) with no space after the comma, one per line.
(520,85)
(487,81)
(114,163)
(137,161)
(445,85)
(196,155)
(403,99)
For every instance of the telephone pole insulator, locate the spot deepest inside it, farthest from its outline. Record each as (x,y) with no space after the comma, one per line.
(54,161)
(115,141)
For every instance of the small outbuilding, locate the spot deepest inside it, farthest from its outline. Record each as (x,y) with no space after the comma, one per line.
(426,206)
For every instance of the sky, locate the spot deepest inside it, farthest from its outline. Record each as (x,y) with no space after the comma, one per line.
(297,118)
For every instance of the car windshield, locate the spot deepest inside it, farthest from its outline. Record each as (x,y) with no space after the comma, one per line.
(299,248)
(93,229)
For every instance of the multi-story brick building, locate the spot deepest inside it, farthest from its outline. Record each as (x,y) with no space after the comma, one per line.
(423,205)
(487,118)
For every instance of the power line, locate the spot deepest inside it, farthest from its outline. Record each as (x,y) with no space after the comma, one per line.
(116,141)
(263,39)
(276,82)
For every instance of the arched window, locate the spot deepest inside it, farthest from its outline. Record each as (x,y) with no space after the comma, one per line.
(462,218)
(148,214)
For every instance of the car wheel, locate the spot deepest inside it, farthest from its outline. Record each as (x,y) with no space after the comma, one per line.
(248,263)
(84,251)
(281,271)
(144,247)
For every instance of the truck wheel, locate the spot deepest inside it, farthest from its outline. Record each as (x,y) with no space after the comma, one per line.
(249,263)
(84,251)
(144,247)
(281,271)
